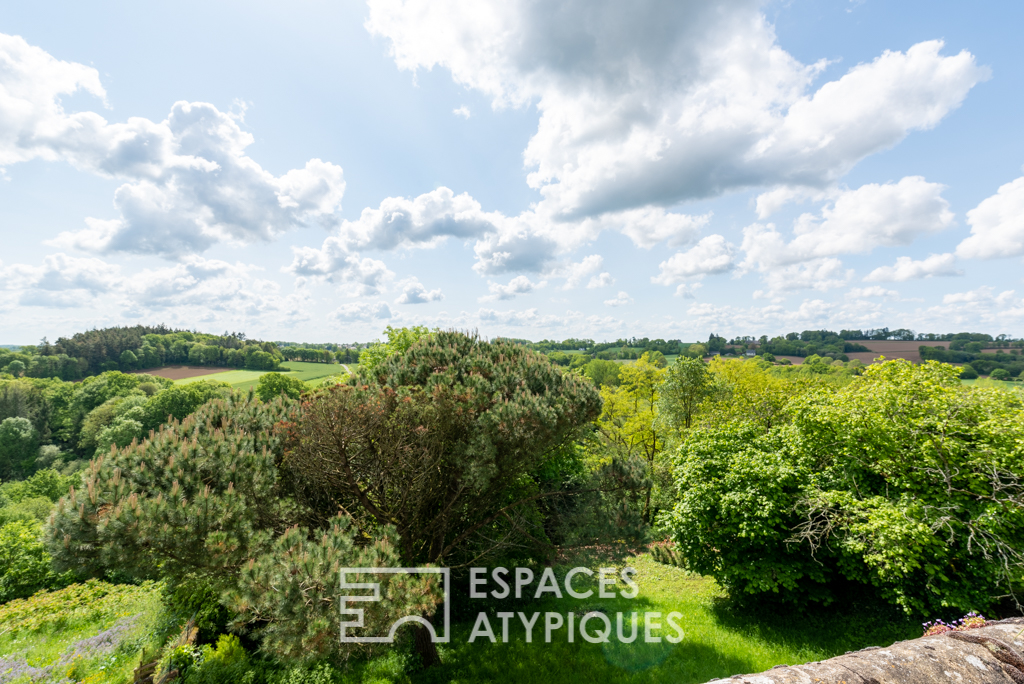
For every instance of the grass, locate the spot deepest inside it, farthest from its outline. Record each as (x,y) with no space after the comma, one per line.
(312,374)
(720,640)
(93,632)
(998,384)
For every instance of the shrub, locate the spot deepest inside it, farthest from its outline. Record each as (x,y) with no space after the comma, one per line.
(904,481)
(1000,374)
(272,385)
(19,446)
(24,562)
(968,373)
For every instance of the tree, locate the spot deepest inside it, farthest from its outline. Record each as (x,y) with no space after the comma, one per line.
(629,415)
(24,562)
(688,384)
(271,385)
(1000,374)
(16,368)
(602,373)
(129,360)
(904,481)
(19,445)
(399,341)
(204,501)
(442,441)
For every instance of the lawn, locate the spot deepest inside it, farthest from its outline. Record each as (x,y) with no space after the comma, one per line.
(96,632)
(311,373)
(720,640)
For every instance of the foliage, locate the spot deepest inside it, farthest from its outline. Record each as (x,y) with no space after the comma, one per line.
(19,446)
(399,341)
(271,385)
(441,441)
(903,480)
(203,501)
(603,373)
(24,562)
(687,386)
(629,417)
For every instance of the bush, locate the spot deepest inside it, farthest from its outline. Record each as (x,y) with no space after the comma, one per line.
(272,385)
(903,481)
(24,562)
(19,446)
(968,373)
(1000,374)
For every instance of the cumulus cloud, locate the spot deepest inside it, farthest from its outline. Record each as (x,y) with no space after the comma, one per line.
(873,291)
(462,111)
(188,181)
(997,225)
(574,273)
(527,318)
(414,293)
(361,311)
(332,263)
(623,299)
(907,268)
(517,286)
(600,280)
(857,222)
(655,102)
(983,294)
(817,274)
(711,255)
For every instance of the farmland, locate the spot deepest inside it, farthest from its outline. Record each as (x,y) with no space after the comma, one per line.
(310,373)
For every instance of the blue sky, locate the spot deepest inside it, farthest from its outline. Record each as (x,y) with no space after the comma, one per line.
(316,171)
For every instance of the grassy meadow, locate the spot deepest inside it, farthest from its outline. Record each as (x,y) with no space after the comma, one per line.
(310,373)
(117,622)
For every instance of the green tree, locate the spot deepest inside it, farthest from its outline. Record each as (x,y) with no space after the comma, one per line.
(129,361)
(24,562)
(629,417)
(904,481)
(204,501)
(16,368)
(1000,374)
(688,385)
(399,341)
(19,446)
(271,385)
(602,372)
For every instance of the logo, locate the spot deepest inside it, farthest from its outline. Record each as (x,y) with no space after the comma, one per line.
(357,613)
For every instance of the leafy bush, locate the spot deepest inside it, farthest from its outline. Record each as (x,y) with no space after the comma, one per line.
(904,481)
(24,562)
(19,446)
(272,385)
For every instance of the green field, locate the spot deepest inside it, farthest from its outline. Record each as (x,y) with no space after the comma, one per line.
(312,374)
(719,640)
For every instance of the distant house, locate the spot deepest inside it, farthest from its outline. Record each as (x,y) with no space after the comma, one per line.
(750,352)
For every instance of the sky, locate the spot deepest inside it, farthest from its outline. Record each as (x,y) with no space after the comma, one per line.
(315,171)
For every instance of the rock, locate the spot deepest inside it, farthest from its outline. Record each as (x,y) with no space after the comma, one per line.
(987,655)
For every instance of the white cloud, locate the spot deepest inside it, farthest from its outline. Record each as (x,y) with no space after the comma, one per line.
(188,182)
(817,274)
(331,263)
(60,272)
(873,291)
(600,280)
(907,268)
(623,299)
(462,111)
(528,318)
(857,222)
(983,294)
(711,255)
(414,293)
(655,102)
(997,225)
(517,286)
(574,273)
(688,290)
(361,311)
